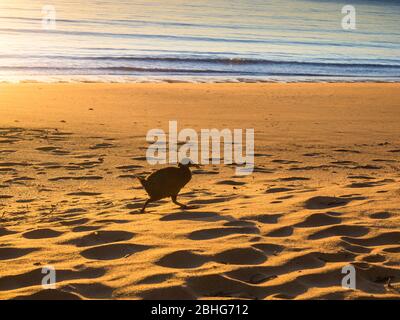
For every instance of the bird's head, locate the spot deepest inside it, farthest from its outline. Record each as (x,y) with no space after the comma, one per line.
(186,162)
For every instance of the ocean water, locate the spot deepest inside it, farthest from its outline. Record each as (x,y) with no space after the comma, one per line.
(204,40)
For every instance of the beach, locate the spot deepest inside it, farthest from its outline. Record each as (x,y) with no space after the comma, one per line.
(324,193)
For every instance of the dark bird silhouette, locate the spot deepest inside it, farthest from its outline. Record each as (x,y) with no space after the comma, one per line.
(167,182)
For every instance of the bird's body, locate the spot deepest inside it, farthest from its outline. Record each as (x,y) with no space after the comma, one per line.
(166,182)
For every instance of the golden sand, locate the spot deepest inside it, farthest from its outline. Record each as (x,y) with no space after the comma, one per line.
(324,194)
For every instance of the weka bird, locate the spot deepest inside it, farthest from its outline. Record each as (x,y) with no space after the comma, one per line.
(167,182)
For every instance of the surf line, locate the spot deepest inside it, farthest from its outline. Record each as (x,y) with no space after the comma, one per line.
(185,144)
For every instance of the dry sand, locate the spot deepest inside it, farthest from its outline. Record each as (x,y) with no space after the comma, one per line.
(325,193)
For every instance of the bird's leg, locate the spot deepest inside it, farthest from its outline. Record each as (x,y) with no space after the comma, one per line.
(183,206)
(145,205)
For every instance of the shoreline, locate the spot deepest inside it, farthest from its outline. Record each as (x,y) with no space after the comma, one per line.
(183,82)
(189,79)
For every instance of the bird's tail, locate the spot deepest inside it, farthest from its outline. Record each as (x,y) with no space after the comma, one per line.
(142,181)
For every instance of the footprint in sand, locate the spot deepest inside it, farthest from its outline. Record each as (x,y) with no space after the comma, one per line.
(346,151)
(19,180)
(101,146)
(381,215)
(269,248)
(128,168)
(374,258)
(367,167)
(369,184)
(230,183)
(261,274)
(14,164)
(5,196)
(140,158)
(278,190)
(74,222)
(281,232)
(79,178)
(100,237)
(214,233)
(361,177)
(172,292)
(312,154)
(322,202)
(85,228)
(8,141)
(384,160)
(240,256)
(259,169)
(265,218)
(112,251)
(387,238)
(285,197)
(74,211)
(183,259)
(240,223)
(111,221)
(41,234)
(353,248)
(34,277)
(25,200)
(49,294)
(47,148)
(201,171)
(340,230)
(8,170)
(392,250)
(8,253)
(128,176)
(89,290)
(7,151)
(318,220)
(84,194)
(290,179)
(216,285)
(5,232)
(156,278)
(377,274)
(201,216)
(344,162)
(282,161)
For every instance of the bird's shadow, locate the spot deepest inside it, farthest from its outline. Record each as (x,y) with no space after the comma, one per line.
(195,216)
(186,209)
(186,214)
